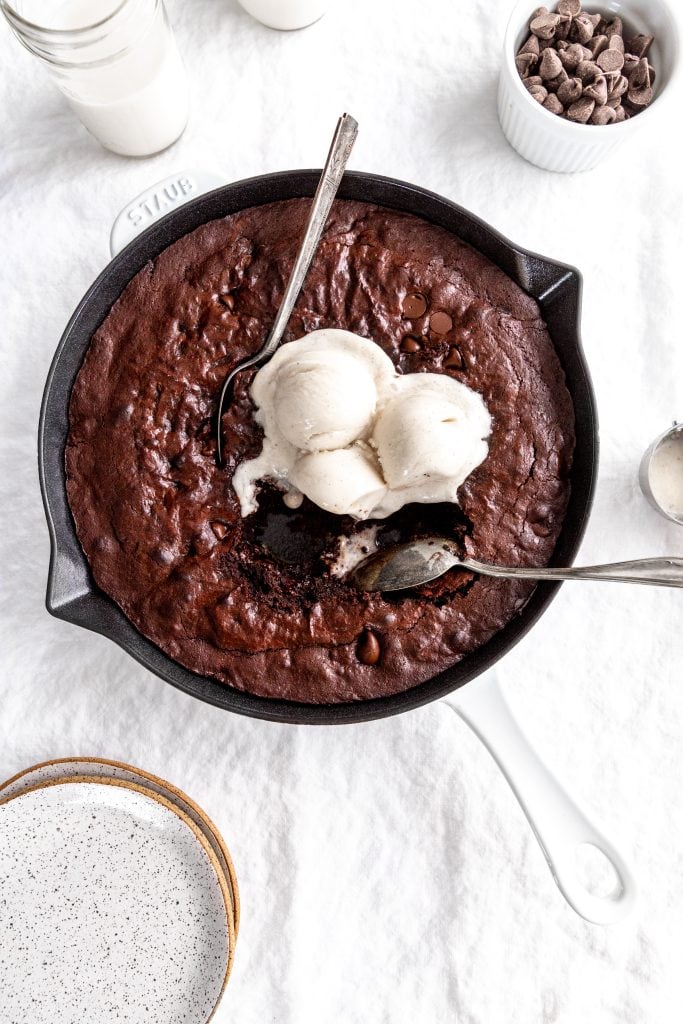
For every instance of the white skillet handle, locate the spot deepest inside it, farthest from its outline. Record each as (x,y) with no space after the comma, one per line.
(158,200)
(559,825)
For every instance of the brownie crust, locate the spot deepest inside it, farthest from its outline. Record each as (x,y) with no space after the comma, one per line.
(251,602)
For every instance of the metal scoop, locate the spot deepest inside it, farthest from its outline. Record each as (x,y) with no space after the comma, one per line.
(330,179)
(409,565)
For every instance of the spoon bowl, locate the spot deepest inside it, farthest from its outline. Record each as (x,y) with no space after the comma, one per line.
(404,566)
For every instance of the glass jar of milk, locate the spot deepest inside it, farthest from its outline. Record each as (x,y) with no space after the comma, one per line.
(117,63)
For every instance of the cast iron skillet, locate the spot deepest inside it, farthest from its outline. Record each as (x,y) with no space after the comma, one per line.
(72,594)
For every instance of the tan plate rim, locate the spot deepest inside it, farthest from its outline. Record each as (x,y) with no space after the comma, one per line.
(159,782)
(169,805)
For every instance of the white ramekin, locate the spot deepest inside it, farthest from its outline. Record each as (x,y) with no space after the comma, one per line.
(550,141)
(286,15)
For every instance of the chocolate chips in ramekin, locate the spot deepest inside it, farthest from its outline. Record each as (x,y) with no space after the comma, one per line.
(583,68)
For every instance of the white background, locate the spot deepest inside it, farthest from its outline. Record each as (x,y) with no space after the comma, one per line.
(387,873)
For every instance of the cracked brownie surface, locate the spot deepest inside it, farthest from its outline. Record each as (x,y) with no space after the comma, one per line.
(252,602)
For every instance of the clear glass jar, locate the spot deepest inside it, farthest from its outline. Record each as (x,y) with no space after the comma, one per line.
(117,63)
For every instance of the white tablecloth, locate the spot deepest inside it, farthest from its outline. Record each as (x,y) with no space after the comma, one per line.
(387,873)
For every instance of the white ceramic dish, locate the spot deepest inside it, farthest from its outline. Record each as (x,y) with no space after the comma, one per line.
(286,15)
(112,906)
(48,771)
(551,142)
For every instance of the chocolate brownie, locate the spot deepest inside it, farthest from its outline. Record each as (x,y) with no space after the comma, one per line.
(252,602)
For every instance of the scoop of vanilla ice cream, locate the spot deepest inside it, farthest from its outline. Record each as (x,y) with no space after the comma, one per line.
(346,481)
(324,400)
(429,437)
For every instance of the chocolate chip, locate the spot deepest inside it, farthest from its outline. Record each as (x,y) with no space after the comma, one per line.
(572,56)
(368,649)
(569,7)
(616,43)
(538,92)
(597,91)
(531,46)
(610,60)
(532,81)
(640,76)
(619,114)
(220,529)
(597,45)
(414,306)
(552,104)
(630,63)
(454,359)
(581,110)
(582,28)
(441,322)
(550,65)
(602,115)
(569,92)
(410,343)
(640,45)
(588,71)
(619,87)
(544,25)
(640,97)
(562,30)
(524,62)
(614,28)
(554,84)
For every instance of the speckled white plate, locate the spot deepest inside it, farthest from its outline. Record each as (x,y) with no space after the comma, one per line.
(112,907)
(67,767)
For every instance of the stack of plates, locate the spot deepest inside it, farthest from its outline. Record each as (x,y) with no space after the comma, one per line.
(118,898)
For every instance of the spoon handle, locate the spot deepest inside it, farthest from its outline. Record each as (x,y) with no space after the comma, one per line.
(330,179)
(662,572)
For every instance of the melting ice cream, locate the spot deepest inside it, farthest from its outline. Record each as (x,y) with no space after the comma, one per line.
(344,429)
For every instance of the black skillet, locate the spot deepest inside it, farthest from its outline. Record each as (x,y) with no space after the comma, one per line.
(72,595)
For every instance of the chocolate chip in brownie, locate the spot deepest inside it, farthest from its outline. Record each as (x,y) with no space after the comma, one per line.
(414,306)
(454,359)
(368,649)
(410,343)
(440,322)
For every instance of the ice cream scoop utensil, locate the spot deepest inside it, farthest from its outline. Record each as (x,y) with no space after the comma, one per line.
(403,566)
(330,179)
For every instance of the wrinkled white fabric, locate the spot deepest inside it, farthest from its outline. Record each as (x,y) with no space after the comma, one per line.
(387,873)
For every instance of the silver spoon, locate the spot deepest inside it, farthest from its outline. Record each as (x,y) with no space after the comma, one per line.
(408,565)
(330,179)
